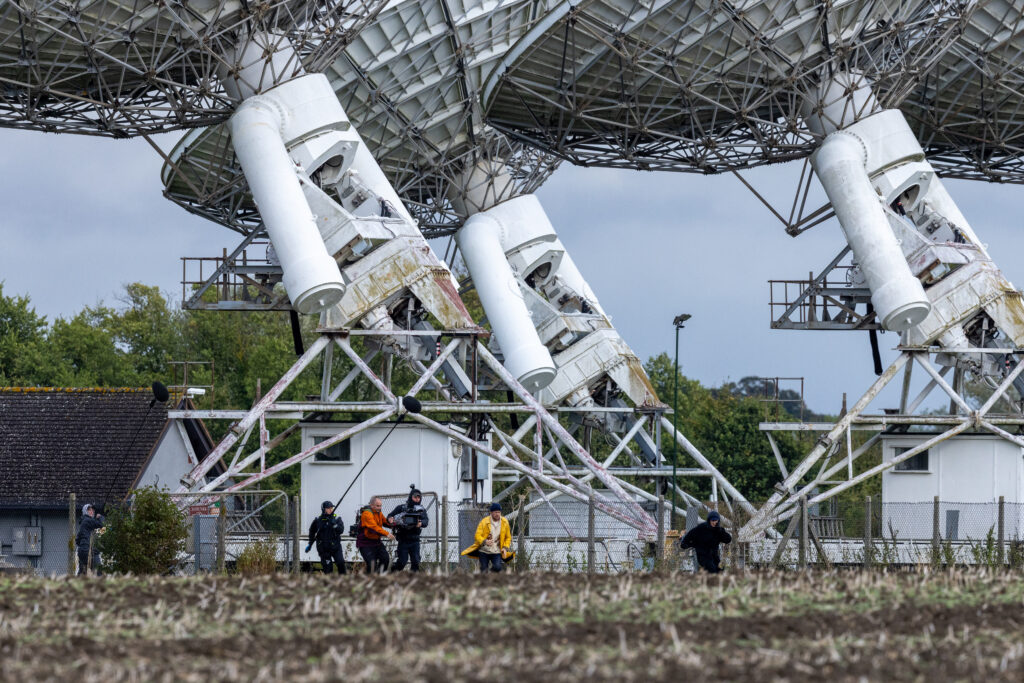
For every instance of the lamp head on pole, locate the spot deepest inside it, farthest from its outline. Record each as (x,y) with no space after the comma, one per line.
(681,319)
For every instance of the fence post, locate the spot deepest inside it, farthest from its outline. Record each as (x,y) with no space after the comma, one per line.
(660,554)
(868,551)
(936,537)
(522,562)
(72,504)
(444,535)
(1002,530)
(591,555)
(296,532)
(804,532)
(738,550)
(222,532)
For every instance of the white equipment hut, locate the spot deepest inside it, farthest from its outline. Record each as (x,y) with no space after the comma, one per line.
(413,454)
(968,473)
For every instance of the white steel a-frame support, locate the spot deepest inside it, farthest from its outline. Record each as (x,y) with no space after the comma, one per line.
(521,452)
(795,486)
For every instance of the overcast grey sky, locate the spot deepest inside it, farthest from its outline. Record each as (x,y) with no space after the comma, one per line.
(83,216)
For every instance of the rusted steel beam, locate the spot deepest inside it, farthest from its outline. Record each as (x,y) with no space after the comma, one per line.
(648,525)
(313,450)
(200,470)
(599,502)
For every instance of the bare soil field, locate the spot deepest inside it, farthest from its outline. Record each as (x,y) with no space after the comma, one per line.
(529,627)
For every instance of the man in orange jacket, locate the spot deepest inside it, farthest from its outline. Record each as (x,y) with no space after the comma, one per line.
(370,541)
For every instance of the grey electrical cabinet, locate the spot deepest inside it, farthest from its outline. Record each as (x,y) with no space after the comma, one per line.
(28,541)
(466,465)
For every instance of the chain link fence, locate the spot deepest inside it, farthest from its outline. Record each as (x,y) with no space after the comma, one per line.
(556,534)
(896,534)
(563,534)
(222,525)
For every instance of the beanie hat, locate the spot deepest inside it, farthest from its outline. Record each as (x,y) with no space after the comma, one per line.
(326,504)
(714,516)
(413,491)
(495,507)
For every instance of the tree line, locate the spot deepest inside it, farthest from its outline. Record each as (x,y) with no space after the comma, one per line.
(133,343)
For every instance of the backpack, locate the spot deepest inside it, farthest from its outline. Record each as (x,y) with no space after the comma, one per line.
(356,530)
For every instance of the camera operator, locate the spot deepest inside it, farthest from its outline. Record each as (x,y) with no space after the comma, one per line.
(409,519)
(85,540)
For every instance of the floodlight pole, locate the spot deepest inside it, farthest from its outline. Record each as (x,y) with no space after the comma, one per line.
(678,322)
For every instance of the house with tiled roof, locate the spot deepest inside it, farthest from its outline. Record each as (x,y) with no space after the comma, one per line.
(98,444)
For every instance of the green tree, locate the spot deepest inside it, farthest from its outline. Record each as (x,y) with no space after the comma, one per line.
(84,354)
(145,538)
(22,340)
(724,427)
(146,330)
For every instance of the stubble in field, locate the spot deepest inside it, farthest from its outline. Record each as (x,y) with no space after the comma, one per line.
(531,627)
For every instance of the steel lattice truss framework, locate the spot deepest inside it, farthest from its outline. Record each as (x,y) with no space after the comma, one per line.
(711,86)
(131,67)
(410,82)
(542,451)
(833,455)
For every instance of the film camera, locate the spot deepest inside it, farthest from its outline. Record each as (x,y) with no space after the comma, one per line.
(408,519)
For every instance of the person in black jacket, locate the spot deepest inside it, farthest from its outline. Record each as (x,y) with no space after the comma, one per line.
(704,539)
(409,519)
(326,531)
(85,541)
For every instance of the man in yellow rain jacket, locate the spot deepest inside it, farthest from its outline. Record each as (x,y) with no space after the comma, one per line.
(492,544)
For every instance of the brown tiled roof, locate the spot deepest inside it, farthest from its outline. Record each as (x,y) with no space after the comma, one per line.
(57,441)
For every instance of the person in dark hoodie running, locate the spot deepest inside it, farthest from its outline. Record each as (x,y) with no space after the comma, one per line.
(408,520)
(704,539)
(85,540)
(326,531)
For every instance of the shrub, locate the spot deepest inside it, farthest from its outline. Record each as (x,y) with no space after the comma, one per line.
(986,553)
(146,537)
(258,558)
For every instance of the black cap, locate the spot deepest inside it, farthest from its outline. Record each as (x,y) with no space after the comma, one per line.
(413,491)
(326,504)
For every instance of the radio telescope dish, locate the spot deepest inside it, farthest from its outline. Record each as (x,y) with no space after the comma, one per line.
(123,68)
(713,87)
(410,82)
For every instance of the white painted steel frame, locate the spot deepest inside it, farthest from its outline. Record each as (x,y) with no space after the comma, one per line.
(553,477)
(784,503)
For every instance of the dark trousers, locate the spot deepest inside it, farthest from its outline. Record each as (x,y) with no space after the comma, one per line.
(492,562)
(408,553)
(709,561)
(375,557)
(329,558)
(83,561)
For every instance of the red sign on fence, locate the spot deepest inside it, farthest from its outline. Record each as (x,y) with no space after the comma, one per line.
(198,510)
